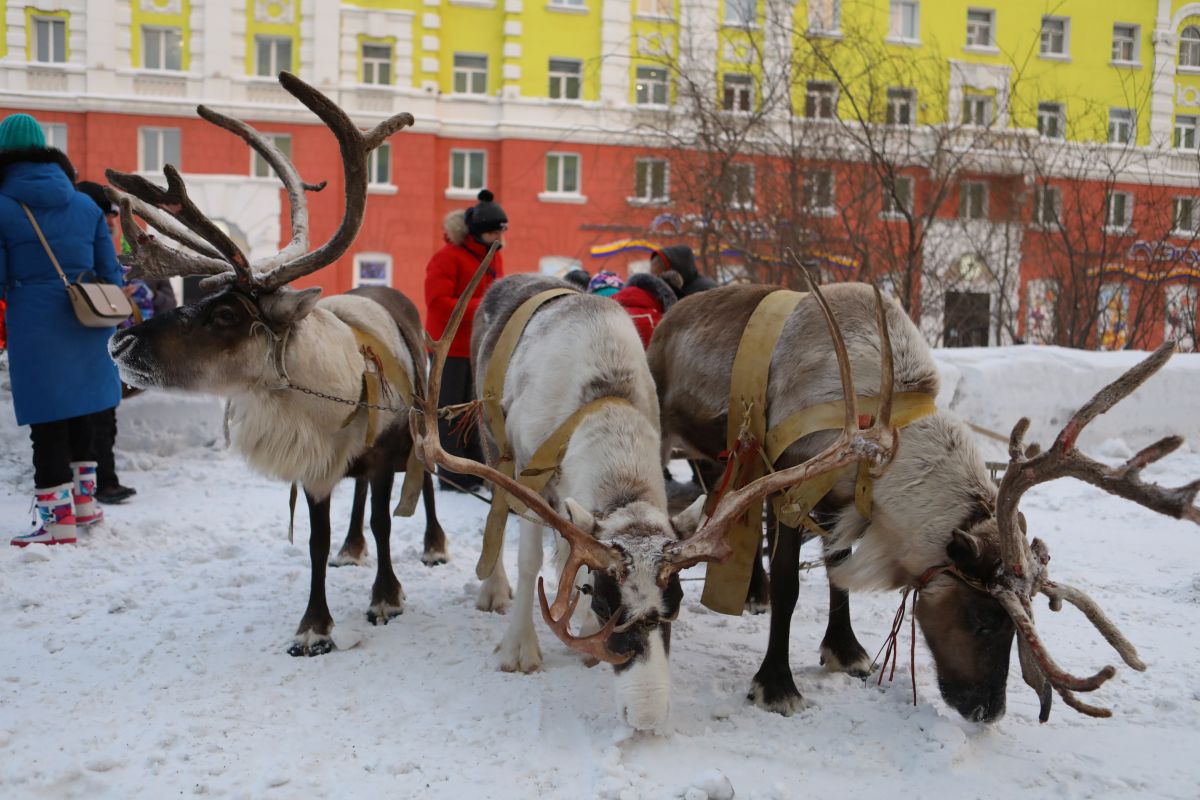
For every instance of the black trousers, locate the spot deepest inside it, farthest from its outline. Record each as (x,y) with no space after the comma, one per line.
(104,438)
(458,386)
(56,445)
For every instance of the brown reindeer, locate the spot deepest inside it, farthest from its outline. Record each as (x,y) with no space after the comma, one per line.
(937,524)
(316,391)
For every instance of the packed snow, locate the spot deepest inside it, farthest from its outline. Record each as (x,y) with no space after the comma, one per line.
(148,660)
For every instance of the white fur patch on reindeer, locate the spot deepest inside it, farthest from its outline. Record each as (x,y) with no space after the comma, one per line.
(644,687)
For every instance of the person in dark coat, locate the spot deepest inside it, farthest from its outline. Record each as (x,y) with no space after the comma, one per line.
(680,260)
(60,370)
(468,234)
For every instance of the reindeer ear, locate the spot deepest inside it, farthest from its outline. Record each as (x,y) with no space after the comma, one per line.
(580,517)
(687,521)
(287,306)
(964,550)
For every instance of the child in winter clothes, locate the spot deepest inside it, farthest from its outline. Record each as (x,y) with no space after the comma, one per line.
(646,297)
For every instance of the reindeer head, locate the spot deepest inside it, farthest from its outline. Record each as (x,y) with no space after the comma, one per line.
(233,338)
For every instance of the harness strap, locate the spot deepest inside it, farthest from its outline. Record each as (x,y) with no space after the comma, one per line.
(493,408)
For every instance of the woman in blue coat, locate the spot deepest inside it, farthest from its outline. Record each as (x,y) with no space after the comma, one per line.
(60,370)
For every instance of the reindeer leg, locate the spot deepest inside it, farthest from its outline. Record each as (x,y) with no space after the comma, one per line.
(758,595)
(387,597)
(840,650)
(519,651)
(435,538)
(312,637)
(773,688)
(354,549)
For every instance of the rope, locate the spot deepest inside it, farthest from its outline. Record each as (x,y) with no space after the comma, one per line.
(891,649)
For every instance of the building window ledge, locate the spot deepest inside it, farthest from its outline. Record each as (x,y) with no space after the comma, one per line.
(822,34)
(453,193)
(822,212)
(892,216)
(983,50)
(642,202)
(740,26)
(1063,58)
(565,9)
(572,198)
(1126,64)
(653,17)
(1120,230)
(1178,234)
(474,3)
(1181,70)
(902,42)
(382,188)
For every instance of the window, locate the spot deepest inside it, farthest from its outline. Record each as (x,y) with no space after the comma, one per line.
(562,173)
(470,74)
(1047,205)
(979,27)
(259,168)
(738,187)
(158,146)
(650,180)
(1050,120)
(49,40)
(569,3)
(1119,210)
(1185,214)
(162,48)
(372,269)
(1125,43)
(973,200)
(565,77)
(1189,47)
(468,169)
(897,200)
(1120,125)
(56,135)
(824,16)
(651,86)
(977,109)
(904,20)
(376,63)
(818,191)
(1055,36)
(273,54)
(1185,132)
(739,93)
(654,8)
(900,104)
(379,165)
(819,100)
(741,12)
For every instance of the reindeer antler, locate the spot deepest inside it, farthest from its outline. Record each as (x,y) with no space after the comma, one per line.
(1024,572)
(585,549)
(207,250)
(876,444)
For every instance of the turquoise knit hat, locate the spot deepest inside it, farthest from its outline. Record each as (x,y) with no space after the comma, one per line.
(20,131)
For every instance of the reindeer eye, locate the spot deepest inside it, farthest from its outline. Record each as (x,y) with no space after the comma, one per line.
(224,316)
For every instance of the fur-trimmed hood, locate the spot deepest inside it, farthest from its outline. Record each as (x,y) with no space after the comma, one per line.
(655,286)
(37,155)
(454,226)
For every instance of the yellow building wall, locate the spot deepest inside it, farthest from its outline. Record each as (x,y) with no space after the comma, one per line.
(475,31)
(164,19)
(417,8)
(278,12)
(548,34)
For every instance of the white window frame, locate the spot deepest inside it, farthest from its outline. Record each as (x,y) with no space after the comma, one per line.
(643,181)
(820,96)
(981,33)
(1191,204)
(373,67)
(574,5)
(1121,119)
(651,84)
(1189,49)
(968,193)
(816,16)
(55,134)
(1052,120)
(743,169)
(741,13)
(155,138)
(1041,194)
(1134,42)
(655,9)
(901,102)
(274,65)
(563,76)
(1114,225)
(741,86)
(467,188)
(1049,34)
(373,167)
(820,192)
(258,164)
(972,103)
(1187,132)
(557,190)
(474,77)
(893,209)
(162,33)
(363,258)
(897,30)
(54,56)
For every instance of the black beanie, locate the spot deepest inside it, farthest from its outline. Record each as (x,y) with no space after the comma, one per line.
(486,215)
(96,192)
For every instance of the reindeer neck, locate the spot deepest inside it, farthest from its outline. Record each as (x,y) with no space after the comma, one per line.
(613,461)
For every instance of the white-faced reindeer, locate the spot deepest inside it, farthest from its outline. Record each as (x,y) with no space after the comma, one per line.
(298,374)
(608,498)
(937,525)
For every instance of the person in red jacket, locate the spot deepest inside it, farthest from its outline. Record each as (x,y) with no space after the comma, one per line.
(645,297)
(468,234)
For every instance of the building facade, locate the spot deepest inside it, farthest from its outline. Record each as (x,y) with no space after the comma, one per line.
(566,110)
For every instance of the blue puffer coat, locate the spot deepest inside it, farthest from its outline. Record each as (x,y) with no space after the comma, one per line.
(59,368)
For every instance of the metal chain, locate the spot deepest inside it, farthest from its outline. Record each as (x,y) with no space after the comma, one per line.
(344,401)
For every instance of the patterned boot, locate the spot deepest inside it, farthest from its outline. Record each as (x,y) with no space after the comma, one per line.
(87,510)
(53,518)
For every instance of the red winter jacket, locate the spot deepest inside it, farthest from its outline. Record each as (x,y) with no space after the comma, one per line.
(646,297)
(447,275)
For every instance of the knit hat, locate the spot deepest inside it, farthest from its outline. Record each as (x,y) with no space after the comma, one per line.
(21,131)
(486,215)
(605,284)
(96,192)
(578,278)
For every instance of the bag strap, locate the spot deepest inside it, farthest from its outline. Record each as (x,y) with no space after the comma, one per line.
(45,244)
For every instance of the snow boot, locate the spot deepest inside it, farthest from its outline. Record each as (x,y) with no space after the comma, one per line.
(87,510)
(53,518)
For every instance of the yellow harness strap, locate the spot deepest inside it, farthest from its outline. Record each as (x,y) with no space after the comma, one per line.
(493,409)
(725,584)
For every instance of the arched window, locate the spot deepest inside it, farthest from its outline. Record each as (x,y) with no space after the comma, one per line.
(1189,47)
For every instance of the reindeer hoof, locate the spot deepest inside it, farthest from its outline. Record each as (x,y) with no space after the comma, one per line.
(777,699)
(345,559)
(757,607)
(523,654)
(381,613)
(311,644)
(434,559)
(494,598)
(856,663)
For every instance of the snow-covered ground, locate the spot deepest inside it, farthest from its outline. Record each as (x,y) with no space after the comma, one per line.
(149,659)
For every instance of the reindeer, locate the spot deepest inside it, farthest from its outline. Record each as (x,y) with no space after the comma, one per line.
(608,498)
(938,525)
(297,379)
